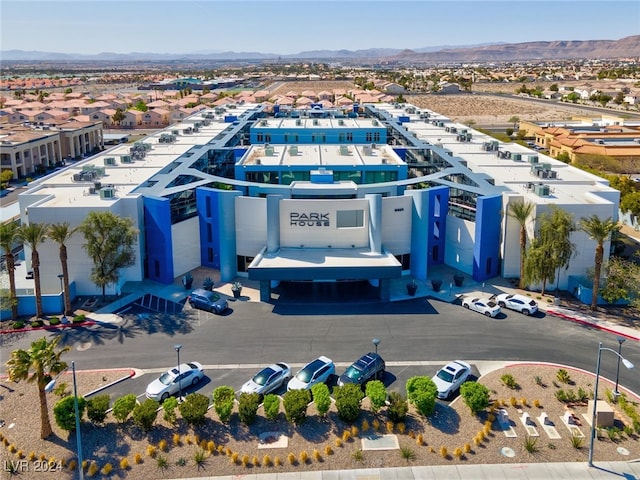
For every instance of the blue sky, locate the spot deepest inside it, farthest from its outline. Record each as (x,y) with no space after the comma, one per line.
(285,27)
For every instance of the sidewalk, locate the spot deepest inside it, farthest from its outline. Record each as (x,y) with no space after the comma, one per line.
(511,471)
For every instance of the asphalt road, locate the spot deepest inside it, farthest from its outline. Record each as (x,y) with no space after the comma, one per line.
(251,335)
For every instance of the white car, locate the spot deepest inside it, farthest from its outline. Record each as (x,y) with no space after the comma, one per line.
(268,379)
(316,371)
(174,379)
(517,302)
(449,378)
(485,306)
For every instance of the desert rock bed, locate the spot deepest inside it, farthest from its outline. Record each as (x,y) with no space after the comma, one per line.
(452,427)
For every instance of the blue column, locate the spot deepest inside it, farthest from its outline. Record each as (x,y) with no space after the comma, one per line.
(419,230)
(486,249)
(158,240)
(227,234)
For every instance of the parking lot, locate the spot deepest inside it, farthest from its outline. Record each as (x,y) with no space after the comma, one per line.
(395,378)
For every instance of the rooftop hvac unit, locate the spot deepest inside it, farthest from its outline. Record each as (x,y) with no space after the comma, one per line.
(533,159)
(268,151)
(205,122)
(374,122)
(341,122)
(107,192)
(298,122)
(517,157)
(453,129)
(126,159)
(97,185)
(541,190)
(552,174)
(109,160)
(315,122)
(92,190)
(367,150)
(344,150)
(293,150)
(175,132)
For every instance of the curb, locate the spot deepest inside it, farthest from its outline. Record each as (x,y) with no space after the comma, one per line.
(104,387)
(86,323)
(592,324)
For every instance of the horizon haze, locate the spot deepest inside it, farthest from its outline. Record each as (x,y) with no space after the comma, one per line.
(287,27)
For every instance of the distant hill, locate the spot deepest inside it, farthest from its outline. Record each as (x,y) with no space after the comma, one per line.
(554,50)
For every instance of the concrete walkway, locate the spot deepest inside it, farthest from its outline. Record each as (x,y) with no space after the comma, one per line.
(511,471)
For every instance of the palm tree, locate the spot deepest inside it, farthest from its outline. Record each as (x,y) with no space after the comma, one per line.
(8,234)
(38,364)
(598,230)
(61,233)
(33,234)
(521,211)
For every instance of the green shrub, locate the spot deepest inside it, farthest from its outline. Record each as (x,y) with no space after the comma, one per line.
(64,412)
(97,408)
(271,406)
(563,376)
(348,400)
(18,325)
(398,407)
(509,381)
(422,392)
(194,408)
(321,398)
(37,323)
(79,318)
(248,404)
(169,406)
(295,404)
(223,398)
(377,393)
(54,321)
(145,414)
(475,396)
(123,406)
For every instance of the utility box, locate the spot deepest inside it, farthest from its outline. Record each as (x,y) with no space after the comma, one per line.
(604,413)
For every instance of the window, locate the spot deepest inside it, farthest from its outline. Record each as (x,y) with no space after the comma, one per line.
(369,137)
(350,218)
(260,138)
(349,137)
(376,137)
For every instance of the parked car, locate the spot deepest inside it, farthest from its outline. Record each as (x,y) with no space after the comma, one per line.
(208,300)
(171,381)
(449,378)
(517,302)
(485,306)
(370,366)
(316,371)
(268,379)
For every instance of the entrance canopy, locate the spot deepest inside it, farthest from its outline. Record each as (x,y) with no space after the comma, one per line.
(324,264)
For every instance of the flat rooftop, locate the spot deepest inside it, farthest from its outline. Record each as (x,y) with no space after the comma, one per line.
(570,185)
(320,155)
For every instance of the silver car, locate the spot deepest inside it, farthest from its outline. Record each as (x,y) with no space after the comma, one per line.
(268,379)
(174,379)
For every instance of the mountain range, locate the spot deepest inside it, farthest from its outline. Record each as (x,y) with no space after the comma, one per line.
(495,52)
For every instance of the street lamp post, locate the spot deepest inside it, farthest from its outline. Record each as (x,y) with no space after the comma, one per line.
(616,393)
(48,388)
(177,348)
(627,364)
(376,342)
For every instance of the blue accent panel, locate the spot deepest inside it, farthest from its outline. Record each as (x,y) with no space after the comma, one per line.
(437,224)
(419,221)
(404,119)
(486,250)
(402,153)
(230,118)
(216,209)
(159,244)
(207,203)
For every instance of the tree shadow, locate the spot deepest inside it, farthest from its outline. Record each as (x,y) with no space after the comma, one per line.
(131,326)
(445,419)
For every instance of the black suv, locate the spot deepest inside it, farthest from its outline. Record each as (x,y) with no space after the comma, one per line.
(368,367)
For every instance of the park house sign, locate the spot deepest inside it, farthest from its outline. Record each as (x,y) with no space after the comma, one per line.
(311,219)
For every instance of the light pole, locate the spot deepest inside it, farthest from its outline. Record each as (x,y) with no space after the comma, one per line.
(627,364)
(376,342)
(177,348)
(48,388)
(621,340)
